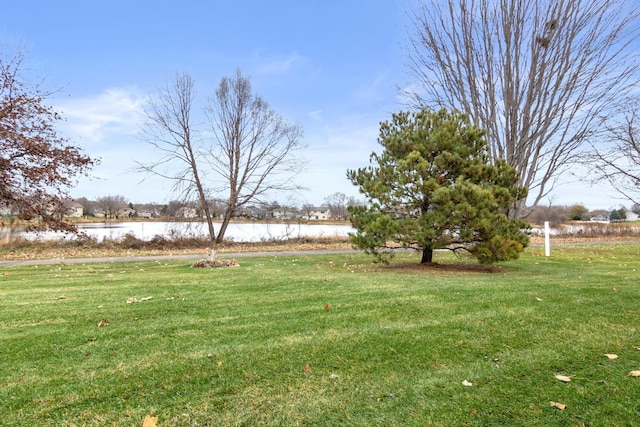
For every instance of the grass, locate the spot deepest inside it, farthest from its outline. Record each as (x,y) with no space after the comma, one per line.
(324,340)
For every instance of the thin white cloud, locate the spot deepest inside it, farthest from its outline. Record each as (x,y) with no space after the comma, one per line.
(315,115)
(375,90)
(278,65)
(94,118)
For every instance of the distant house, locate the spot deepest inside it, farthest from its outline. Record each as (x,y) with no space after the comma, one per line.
(126,213)
(283,213)
(146,213)
(318,213)
(187,212)
(74,210)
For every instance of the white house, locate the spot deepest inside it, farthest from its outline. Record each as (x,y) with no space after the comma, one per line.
(318,213)
(187,212)
(74,210)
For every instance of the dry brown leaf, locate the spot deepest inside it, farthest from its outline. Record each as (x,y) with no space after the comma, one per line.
(558,405)
(132,300)
(307,368)
(102,323)
(634,374)
(562,378)
(149,421)
(611,356)
(327,307)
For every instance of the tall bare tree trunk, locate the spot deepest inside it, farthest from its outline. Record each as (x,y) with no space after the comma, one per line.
(170,131)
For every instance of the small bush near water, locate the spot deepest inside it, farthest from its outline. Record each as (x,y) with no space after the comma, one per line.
(129,244)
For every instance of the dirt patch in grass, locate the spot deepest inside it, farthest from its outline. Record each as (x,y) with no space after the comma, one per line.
(216,263)
(437,267)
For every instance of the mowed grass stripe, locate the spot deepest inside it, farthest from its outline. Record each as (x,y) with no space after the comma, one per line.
(254,345)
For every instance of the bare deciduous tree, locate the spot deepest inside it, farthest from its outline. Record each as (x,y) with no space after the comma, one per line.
(111,205)
(247,151)
(617,158)
(337,204)
(169,129)
(539,76)
(253,148)
(37,166)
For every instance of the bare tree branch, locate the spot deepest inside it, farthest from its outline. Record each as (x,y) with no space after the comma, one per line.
(616,156)
(540,76)
(170,131)
(253,147)
(247,151)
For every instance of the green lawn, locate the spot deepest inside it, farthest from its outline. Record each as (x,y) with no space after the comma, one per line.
(324,340)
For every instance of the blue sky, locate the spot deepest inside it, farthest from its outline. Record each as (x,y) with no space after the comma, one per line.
(331,66)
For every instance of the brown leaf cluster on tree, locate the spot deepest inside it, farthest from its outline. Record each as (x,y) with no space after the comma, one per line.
(37,166)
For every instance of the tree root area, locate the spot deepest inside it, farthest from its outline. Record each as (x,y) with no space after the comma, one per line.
(216,263)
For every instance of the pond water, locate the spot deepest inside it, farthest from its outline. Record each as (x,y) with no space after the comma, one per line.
(238,232)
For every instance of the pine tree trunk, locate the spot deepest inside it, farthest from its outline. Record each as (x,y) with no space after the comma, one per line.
(427,255)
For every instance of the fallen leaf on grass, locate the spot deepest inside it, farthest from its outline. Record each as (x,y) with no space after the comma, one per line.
(634,374)
(132,300)
(562,378)
(466,383)
(611,356)
(327,307)
(307,368)
(558,405)
(149,421)
(102,323)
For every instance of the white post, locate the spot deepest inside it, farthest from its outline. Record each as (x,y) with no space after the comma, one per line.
(547,231)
